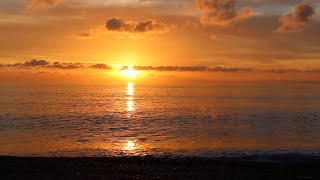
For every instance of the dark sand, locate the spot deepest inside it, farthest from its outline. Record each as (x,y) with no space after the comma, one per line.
(152,168)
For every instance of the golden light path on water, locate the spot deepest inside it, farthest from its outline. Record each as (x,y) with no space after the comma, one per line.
(130,146)
(130,98)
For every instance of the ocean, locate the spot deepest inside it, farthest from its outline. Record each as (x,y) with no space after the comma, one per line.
(260,121)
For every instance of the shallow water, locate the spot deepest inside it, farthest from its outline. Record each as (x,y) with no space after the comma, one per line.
(135,119)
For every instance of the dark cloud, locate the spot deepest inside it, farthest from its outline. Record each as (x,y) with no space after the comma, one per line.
(221,69)
(36,63)
(100,66)
(32,63)
(293,22)
(13,65)
(221,12)
(84,34)
(42,3)
(56,65)
(59,65)
(283,71)
(169,68)
(186,68)
(214,69)
(117,24)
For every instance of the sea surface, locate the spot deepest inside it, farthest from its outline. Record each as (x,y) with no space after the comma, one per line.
(261,121)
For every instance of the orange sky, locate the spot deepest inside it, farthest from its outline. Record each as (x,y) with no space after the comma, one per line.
(244,40)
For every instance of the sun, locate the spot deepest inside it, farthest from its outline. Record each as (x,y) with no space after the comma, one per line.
(130,73)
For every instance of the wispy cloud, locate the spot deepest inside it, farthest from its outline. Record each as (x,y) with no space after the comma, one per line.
(42,3)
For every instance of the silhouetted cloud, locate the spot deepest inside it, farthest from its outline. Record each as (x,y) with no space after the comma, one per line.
(84,34)
(56,65)
(69,66)
(32,63)
(283,71)
(186,68)
(123,68)
(293,22)
(221,12)
(170,68)
(59,65)
(36,63)
(42,3)
(221,69)
(100,66)
(13,65)
(117,24)
(214,69)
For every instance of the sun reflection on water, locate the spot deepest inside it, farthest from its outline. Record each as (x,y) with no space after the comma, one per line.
(130,98)
(130,89)
(130,146)
(130,106)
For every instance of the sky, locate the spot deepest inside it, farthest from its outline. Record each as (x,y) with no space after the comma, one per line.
(165,40)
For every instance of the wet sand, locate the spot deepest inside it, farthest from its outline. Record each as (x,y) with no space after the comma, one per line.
(153,168)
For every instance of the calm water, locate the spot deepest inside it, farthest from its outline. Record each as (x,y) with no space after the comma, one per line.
(134,119)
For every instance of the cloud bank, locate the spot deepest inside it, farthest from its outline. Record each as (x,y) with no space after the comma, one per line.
(221,12)
(211,69)
(69,66)
(293,22)
(56,65)
(186,68)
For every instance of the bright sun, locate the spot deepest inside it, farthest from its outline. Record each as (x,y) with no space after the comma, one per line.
(130,73)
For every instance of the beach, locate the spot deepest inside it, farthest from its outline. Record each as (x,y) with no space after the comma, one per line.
(153,168)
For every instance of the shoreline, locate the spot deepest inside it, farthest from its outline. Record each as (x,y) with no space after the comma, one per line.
(150,167)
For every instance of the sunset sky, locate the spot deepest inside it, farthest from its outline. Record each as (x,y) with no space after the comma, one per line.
(165,40)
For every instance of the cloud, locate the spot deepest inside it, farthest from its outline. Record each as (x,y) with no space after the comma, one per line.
(42,3)
(214,69)
(56,65)
(100,66)
(118,25)
(221,69)
(169,68)
(32,63)
(71,66)
(36,63)
(293,22)
(221,12)
(59,65)
(186,68)
(84,34)
(123,68)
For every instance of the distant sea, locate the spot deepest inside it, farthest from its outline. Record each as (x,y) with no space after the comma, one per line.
(256,121)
